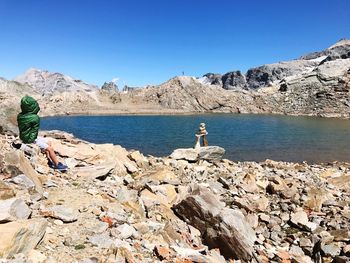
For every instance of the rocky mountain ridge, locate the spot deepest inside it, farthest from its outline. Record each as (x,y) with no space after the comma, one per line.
(269,74)
(47,83)
(314,85)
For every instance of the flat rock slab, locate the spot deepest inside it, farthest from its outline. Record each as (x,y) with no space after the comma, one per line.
(66,214)
(202,153)
(101,240)
(95,171)
(24,181)
(21,236)
(189,154)
(13,209)
(220,226)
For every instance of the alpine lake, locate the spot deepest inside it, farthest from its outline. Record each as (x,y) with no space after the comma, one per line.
(244,137)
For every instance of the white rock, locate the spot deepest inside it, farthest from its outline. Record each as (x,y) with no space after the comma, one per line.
(13,209)
(126,231)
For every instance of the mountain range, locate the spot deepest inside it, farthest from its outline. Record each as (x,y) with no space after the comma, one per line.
(315,84)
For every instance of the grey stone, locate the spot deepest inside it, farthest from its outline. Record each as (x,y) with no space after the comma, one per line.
(66,214)
(211,153)
(100,227)
(101,240)
(296,251)
(23,180)
(188,154)
(13,209)
(89,260)
(126,231)
(331,250)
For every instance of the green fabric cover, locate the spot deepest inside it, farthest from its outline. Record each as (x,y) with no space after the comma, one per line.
(28,120)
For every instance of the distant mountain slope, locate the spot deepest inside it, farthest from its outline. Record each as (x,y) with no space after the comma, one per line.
(46,82)
(340,50)
(11,93)
(270,74)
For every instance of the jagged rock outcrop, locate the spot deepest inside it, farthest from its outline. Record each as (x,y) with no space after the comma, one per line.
(111,90)
(187,94)
(127,88)
(109,87)
(213,78)
(340,50)
(266,75)
(269,74)
(324,91)
(234,80)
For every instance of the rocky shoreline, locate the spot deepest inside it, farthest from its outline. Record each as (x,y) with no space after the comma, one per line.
(115,205)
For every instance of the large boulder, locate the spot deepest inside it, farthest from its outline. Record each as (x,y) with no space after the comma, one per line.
(220,226)
(21,236)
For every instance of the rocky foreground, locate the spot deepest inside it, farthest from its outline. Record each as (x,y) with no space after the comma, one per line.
(115,205)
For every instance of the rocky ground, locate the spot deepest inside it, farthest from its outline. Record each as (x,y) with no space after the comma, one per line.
(115,205)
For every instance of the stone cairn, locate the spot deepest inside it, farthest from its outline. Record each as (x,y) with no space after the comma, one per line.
(202,133)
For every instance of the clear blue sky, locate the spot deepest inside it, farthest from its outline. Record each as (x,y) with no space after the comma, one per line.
(149,41)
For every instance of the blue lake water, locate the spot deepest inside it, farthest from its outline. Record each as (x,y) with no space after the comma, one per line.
(245,137)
